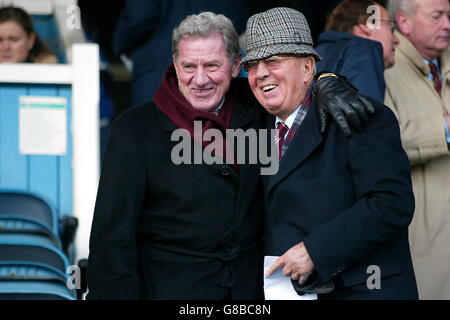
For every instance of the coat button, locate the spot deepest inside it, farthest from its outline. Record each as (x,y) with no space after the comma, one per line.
(225,171)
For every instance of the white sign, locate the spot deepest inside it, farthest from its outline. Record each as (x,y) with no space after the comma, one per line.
(42,125)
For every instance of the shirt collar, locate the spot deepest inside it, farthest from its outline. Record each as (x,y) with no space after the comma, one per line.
(216,111)
(436,63)
(290,120)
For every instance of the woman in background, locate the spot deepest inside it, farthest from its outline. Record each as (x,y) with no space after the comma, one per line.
(18,40)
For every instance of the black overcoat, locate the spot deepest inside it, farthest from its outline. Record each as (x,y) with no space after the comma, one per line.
(167,231)
(350,201)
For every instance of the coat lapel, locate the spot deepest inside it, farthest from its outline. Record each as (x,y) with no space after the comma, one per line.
(306,139)
(166,124)
(244,118)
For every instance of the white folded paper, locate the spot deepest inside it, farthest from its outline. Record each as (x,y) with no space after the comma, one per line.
(279,287)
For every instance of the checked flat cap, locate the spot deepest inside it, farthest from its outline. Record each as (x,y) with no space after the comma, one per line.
(276,31)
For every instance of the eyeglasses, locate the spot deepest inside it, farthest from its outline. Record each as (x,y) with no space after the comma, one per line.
(392,24)
(271,62)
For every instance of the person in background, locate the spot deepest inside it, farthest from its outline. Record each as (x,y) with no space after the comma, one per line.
(359,47)
(338,205)
(418,91)
(18,40)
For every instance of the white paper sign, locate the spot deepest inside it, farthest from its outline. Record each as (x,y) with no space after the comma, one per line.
(42,125)
(278,286)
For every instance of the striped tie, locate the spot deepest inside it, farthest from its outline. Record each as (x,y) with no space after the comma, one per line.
(281,132)
(436,79)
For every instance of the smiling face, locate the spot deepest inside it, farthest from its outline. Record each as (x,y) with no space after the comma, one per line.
(281,88)
(429,28)
(204,71)
(14,42)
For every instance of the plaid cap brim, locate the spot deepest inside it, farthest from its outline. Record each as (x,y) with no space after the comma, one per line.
(270,50)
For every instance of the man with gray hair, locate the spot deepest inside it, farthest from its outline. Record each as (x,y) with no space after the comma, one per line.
(418,91)
(163,230)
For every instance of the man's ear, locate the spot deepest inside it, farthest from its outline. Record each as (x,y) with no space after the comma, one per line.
(404,23)
(309,66)
(236,67)
(362,30)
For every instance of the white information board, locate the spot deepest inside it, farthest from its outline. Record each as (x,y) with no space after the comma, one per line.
(42,125)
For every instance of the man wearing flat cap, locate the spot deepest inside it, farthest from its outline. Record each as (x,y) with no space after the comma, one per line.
(337,212)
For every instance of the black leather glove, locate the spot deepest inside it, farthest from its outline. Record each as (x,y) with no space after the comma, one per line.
(313,285)
(337,97)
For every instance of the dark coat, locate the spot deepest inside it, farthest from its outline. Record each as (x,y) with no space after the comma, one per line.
(166,231)
(350,201)
(358,59)
(145,28)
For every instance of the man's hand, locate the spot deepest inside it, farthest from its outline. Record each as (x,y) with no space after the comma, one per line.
(297,264)
(337,97)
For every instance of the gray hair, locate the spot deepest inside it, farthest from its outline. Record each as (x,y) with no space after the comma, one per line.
(206,24)
(407,6)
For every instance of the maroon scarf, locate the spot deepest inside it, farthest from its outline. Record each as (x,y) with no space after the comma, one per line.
(169,99)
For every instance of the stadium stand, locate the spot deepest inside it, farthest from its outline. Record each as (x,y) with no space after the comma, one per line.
(49,158)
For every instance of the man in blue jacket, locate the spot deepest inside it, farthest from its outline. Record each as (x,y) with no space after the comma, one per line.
(359,44)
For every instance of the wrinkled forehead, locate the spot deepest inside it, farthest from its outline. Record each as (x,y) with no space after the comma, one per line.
(196,38)
(205,44)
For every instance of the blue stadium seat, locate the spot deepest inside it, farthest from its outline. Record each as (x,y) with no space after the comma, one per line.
(28,205)
(14,227)
(30,238)
(34,290)
(27,214)
(29,270)
(27,252)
